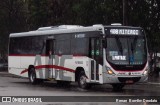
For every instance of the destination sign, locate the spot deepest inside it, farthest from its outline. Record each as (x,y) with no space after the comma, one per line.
(124,31)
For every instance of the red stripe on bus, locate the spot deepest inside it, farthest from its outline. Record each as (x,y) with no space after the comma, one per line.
(26,55)
(26,70)
(50,66)
(55,66)
(131,70)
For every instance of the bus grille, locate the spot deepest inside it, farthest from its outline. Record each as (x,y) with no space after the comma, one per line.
(124,79)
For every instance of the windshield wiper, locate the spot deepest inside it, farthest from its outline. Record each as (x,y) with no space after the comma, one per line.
(133,45)
(119,44)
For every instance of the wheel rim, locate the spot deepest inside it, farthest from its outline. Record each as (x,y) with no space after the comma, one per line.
(32,77)
(82,80)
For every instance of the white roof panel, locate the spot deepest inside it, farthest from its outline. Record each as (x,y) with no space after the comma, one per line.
(55,31)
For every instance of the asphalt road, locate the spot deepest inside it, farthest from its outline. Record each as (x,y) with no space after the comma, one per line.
(11,85)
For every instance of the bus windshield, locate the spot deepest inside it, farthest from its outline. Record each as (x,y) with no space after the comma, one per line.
(126,50)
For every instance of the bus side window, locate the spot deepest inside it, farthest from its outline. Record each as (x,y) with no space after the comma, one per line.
(63,47)
(79,46)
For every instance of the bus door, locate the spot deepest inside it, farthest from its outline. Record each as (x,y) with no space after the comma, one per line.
(50,51)
(94,54)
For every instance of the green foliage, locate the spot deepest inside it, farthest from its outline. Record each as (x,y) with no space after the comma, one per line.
(89,12)
(12,19)
(37,13)
(24,15)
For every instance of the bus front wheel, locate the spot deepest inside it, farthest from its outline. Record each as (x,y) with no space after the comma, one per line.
(82,81)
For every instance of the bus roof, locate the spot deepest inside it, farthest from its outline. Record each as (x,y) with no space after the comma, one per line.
(57,30)
(67,29)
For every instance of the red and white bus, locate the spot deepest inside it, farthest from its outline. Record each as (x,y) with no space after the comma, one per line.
(97,54)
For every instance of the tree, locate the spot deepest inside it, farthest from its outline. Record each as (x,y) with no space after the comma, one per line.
(89,12)
(24,15)
(12,19)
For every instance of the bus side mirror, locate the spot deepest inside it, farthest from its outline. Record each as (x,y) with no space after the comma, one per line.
(104,43)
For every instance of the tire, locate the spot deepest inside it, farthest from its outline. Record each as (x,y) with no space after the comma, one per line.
(32,77)
(82,81)
(117,87)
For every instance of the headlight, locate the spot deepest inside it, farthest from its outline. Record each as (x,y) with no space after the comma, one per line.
(109,71)
(146,72)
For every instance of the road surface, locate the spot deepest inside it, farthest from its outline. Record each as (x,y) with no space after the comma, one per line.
(11,85)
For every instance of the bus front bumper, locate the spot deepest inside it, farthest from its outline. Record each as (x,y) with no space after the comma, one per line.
(124,79)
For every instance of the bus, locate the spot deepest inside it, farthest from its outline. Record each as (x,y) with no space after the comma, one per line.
(98,54)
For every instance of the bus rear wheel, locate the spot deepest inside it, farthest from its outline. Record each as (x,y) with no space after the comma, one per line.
(117,87)
(82,81)
(32,77)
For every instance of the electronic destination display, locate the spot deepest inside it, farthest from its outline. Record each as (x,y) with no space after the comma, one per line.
(124,31)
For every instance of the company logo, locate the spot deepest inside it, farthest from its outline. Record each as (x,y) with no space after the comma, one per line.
(21,99)
(6,99)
